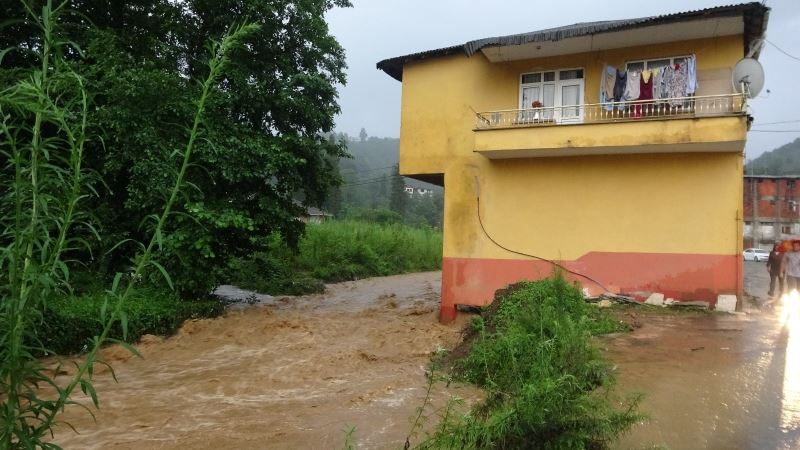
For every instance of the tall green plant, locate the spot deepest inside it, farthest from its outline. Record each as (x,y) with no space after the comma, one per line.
(43,120)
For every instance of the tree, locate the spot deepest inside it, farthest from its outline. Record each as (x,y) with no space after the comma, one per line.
(398,199)
(264,142)
(363,135)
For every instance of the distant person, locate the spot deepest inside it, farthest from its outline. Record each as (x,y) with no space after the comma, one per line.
(774,267)
(791,267)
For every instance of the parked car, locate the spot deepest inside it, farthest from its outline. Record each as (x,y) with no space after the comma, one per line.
(755,254)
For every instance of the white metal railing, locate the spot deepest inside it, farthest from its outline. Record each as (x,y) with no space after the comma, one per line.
(668,108)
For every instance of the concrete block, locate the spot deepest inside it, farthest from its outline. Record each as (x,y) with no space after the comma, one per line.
(655,299)
(726,303)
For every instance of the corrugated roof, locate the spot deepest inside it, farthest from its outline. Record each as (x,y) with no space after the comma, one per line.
(754,15)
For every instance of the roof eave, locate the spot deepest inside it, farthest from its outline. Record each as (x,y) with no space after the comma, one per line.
(755,16)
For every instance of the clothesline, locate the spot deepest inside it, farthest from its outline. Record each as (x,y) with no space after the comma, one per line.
(671,83)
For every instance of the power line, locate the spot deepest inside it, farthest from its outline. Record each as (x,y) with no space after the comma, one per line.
(775,131)
(370,181)
(381,178)
(346,172)
(776,123)
(782,50)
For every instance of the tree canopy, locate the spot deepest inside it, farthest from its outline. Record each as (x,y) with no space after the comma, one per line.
(784,160)
(263,157)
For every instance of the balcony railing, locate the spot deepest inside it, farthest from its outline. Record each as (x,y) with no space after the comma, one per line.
(661,109)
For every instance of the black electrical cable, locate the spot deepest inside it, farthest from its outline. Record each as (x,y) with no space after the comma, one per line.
(486,233)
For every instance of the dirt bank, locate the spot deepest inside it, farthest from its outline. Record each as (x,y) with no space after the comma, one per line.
(294,374)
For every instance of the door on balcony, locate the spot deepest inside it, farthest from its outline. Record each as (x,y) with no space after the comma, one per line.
(570,96)
(559,92)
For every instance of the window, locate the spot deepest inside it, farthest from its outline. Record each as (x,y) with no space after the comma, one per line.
(560,93)
(786,229)
(767,229)
(652,64)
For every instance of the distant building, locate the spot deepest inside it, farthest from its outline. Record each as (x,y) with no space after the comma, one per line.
(771,211)
(315,215)
(420,192)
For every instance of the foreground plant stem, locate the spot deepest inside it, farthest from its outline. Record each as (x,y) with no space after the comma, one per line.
(216,65)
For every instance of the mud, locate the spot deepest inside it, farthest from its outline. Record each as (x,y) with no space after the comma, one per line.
(293,373)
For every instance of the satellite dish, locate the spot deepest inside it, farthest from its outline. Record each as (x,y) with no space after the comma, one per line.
(748,77)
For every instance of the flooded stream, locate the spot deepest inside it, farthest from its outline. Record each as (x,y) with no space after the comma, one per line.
(294,374)
(299,372)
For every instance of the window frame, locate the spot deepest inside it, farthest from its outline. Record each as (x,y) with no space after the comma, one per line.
(646,60)
(557,83)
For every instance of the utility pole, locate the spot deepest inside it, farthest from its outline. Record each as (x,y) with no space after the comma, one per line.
(756,227)
(779,204)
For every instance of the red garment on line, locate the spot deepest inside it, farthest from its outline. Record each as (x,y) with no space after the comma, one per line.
(646,89)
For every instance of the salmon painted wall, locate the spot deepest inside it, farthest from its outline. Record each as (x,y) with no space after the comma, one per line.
(637,223)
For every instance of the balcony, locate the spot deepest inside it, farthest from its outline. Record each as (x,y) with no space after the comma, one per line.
(712,123)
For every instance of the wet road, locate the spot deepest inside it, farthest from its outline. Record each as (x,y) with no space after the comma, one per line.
(716,381)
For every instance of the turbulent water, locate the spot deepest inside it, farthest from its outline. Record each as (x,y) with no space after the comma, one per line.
(296,374)
(299,372)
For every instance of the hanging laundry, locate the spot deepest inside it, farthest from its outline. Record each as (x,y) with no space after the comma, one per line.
(632,85)
(646,75)
(677,84)
(656,76)
(666,75)
(607,83)
(646,85)
(619,85)
(691,80)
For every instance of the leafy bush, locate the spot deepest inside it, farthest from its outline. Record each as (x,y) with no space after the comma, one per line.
(273,271)
(69,323)
(547,385)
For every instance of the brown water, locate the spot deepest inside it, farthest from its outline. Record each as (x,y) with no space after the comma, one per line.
(716,381)
(298,372)
(294,375)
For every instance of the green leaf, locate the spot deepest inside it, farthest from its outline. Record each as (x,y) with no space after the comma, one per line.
(123,321)
(88,389)
(163,273)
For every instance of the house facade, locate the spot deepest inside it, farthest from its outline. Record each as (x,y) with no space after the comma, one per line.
(771,209)
(542,166)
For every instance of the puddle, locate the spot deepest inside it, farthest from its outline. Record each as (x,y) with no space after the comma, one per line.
(716,381)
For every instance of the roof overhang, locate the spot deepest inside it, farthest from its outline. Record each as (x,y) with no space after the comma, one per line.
(647,35)
(748,19)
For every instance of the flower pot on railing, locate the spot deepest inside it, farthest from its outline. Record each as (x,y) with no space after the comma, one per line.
(537,110)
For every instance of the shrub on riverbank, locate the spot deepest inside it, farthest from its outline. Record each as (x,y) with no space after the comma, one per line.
(547,385)
(338,251)
(69,322)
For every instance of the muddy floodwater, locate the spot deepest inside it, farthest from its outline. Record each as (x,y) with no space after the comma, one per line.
(297,373)
(716,381)
(292,374)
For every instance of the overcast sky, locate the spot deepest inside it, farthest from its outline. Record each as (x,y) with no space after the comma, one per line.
(377,29)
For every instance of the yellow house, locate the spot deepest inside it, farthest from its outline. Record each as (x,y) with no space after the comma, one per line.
(542,168)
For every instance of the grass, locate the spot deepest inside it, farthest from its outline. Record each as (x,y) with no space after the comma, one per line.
(348,250)
(547,385)
(338,251)
(69,323)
